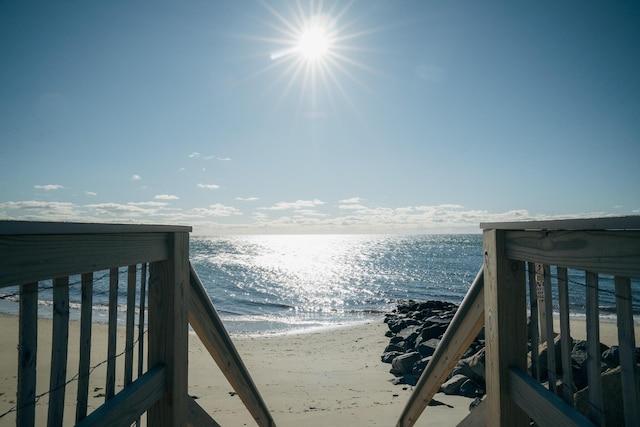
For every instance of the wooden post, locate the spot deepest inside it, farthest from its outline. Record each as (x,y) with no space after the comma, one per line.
(27,351)
(110,387)
(59,351)
(131,311)
(534,329)
(549,334)
(627,341)
(505,329)
(84,364)
(568,387)
(168,331)
(594,358)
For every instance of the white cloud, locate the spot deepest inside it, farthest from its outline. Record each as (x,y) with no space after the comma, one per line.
(301,213)
(194,155)
(247,199)
(33,204)
(119,210)
(33,210)
(153,204)
(351,200)
(209,186)
(218,210)
(224,159)
(166,197)
(352,207)
(48,187)
(298,204)
(135,177)
(90,193)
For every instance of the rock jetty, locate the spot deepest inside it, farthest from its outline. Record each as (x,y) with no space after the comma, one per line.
(416,328)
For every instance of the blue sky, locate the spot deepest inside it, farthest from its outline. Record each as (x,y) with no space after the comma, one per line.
(418,116)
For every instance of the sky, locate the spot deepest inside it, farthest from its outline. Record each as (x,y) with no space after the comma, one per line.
(364,116)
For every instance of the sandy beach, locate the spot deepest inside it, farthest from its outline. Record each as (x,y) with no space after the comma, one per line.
(328,377)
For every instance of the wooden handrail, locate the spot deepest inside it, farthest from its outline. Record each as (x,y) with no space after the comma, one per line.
(464,327)
(544,407)
(131,402)
(207,324)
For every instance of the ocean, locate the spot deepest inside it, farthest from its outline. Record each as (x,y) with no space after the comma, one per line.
(272,284)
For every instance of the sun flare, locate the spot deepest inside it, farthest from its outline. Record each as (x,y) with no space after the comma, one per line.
(314,43)
(313,50)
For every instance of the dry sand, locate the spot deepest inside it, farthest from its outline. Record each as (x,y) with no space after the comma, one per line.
(329,377)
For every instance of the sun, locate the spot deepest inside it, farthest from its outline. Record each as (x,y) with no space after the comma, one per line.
(314,50)
(314,43)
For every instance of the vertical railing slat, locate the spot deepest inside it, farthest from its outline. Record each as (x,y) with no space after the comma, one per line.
(594,355)
(27,352)
(568,387)
(111,339)
(534,332)
(86,315)
(143,291)
(131,312)
(627,346)
(141,322)
(59,349)
(551,349)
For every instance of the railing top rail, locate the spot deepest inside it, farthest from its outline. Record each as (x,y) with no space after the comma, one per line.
(14,228)
(609,223)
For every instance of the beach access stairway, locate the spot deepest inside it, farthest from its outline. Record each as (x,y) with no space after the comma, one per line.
(523,261)
(163,297)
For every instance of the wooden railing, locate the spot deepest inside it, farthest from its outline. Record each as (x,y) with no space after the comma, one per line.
(62,253)
(517,253)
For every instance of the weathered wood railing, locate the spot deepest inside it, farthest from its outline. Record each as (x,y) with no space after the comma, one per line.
(515,253)
(33,252)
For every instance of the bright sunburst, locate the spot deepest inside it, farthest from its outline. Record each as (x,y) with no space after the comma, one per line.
(314,43)
(313,51)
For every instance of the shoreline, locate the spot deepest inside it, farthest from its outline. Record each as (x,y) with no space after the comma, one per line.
(331,376)
(327,377)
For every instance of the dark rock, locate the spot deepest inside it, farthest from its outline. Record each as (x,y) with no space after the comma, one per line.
(403,364)
(428,348)
(473,349)
(611,357)
(420,365)
(390,355)
(470,389)
(410,342)
(475,403)
(611,401)
(438,320)
(542,351)
(396,326)
(579,358)
(399,347)
(395,340)
(452,386)
(472,367)
(433,331)
(407,379)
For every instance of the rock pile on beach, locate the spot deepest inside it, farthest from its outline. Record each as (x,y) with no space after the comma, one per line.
(416,328)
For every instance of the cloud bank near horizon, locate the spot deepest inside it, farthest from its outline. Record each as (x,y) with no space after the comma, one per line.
(300,216)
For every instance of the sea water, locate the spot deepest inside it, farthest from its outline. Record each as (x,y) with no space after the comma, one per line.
(292,282)
(288,283)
